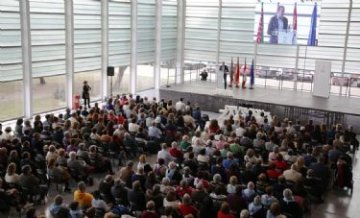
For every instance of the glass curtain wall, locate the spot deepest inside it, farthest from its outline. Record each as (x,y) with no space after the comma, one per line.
(87,46)
(120,45)
(168,41)
(47,21)
(352,64)
(201,29)
(145,44)
(11,97)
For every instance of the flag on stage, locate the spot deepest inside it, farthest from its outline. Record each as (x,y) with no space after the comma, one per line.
(252,75)
(312,33)
(244,76)
(260,33)
(295,18)
(237,74)
(231,73)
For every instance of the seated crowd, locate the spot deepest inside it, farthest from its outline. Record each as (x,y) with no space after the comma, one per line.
(246,167)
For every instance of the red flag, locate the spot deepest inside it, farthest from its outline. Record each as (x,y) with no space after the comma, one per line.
(295,18)
(260,33)
(237,74)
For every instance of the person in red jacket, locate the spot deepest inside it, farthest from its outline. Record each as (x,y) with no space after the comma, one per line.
(224,211)
(175,152)
(186,208)
(273,173)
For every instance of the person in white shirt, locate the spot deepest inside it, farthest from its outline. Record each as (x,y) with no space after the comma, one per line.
(170,200)
(180,105)
(290,129)
(7,134)
(149,120)
(203,157)
(52,153)
(154,131)
(98,203)
(133,126)
(240,131)
(292,175)
(11,177)
(164,154)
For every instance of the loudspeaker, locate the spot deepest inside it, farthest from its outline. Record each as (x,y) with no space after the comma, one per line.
(110,71)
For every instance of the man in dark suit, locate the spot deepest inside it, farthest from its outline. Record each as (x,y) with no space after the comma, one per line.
(224,68)
(277,24)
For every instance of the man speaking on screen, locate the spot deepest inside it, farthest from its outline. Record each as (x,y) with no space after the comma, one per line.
(278,23)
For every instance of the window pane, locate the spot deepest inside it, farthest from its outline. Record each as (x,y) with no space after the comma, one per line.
(145,77)
(120,81)
(168,72)
(48,93)
(11,100)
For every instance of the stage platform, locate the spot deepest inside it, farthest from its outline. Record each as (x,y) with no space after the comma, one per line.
(287,103)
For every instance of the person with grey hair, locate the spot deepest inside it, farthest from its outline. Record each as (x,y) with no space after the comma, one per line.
(218,185)
(244,214)
(256,209)
(176,153)
(82,153)
(289,205)
(77,168)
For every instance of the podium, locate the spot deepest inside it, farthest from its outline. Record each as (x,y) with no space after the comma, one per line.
(288,38)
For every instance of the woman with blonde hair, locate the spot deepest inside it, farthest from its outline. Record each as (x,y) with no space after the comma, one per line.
(11,176)
(170,200)
(52,153)
(144,164)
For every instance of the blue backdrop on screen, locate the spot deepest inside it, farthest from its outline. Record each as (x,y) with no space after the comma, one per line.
(287,22)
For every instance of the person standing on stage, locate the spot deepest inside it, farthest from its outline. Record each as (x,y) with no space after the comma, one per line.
(225,70)
(278,23)
(86,94)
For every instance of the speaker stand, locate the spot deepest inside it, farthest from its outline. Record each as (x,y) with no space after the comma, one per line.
(111,86)
(167,81)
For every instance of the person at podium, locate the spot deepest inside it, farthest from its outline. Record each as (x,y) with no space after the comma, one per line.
(277,24)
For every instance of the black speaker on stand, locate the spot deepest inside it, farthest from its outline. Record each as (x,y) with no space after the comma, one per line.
(111,73)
